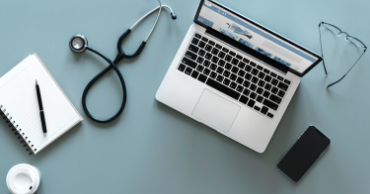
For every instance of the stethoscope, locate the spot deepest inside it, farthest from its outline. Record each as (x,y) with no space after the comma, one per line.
(79,44)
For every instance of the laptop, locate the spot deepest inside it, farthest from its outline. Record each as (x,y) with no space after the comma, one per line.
(234,75)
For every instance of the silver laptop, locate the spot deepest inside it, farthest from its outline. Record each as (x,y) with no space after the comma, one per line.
(234,75)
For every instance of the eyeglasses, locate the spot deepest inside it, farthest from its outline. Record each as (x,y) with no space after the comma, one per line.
(352,39)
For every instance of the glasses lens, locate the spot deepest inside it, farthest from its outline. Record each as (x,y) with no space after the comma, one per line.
(77,43)
(356,42)
(332,28)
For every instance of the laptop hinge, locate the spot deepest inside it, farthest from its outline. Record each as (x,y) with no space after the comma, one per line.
(247,49)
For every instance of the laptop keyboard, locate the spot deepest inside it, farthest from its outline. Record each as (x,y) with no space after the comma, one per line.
(234,75)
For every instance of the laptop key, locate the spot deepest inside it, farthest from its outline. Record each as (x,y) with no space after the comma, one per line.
(226,82)
(287,81)
(259,67)
(246,92)
(282,86)
(202,78)
(241,73)
(200,68)
(208,48)
(259,90)
(195,41)
(243,99)
(268,78)
(274,90)
(264,110)
(281,93)
(270,104)
(232,53)
(228,66)
(274,82)
(195,74)
(222,88)
(259,99)
(275,99)
(205,39)
(257,108)
(233,77)
(235,61)
(248,76)
(188,62)
(246,83)
(270,115)
(208,56)
(181,67)
(261,75)
(188,71)
(225,50)
(221,63)
(280,78)
(211,43)
(228,58)
(233,85)
(239,80)
(235,70)
(241,65)
(266,94)
(253,87)
(253,95)
(221,54)
(251,103)
(226,73)
(197,35)
(213,66)
(201,52)
(220,70)
(261,83)
(248,68)
(214,59)
(206,71)
(206,63)
(213,75)
(255,80)
(266,71)
(273,74)
(201,44)
(254,71)
(190,55)
(239,88)
(253,64)
(239,57)
(220,78)
(193,48)
(214,51)
(200,60)
(218,46)
(268,86)
(246,60)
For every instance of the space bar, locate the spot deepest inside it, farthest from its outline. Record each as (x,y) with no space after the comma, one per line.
(224,89)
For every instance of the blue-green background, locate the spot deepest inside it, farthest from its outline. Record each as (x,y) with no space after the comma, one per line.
(154,149)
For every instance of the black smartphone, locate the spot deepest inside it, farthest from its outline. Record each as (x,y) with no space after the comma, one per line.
(309,146)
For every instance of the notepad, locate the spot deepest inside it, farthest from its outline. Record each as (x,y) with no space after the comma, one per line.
(18,103)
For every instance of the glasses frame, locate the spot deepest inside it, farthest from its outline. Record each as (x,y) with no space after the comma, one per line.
(347,36)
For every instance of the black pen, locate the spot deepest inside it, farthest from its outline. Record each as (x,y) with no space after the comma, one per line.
(42,116)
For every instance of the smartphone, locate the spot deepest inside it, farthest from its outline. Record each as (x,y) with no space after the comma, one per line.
(309,146)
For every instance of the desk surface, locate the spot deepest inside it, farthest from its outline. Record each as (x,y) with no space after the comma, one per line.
(154,149)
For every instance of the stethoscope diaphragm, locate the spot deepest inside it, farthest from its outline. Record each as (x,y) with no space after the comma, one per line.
(78,43)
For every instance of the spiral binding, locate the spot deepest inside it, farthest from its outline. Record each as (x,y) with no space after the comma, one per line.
(27,144)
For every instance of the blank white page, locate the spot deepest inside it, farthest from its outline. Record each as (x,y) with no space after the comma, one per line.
(19,99)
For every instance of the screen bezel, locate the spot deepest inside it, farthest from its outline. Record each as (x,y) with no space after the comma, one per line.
(319,58)
(308,129)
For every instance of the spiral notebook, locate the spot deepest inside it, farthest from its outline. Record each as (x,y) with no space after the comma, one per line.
(19,105)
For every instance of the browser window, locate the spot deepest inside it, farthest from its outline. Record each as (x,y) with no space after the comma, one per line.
(250,35)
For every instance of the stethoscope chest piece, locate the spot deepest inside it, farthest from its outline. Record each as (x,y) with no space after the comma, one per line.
(78,43)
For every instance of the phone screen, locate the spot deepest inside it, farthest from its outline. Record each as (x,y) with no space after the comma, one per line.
(304,153)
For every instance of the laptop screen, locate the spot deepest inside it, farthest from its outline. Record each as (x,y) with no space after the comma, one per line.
(258,38)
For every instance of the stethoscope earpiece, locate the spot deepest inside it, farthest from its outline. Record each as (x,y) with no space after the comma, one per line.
(78,43)
(173,15)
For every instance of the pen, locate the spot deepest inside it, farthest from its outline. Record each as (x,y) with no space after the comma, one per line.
(42,116)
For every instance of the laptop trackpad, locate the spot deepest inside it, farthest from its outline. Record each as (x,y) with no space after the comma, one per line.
(216,111)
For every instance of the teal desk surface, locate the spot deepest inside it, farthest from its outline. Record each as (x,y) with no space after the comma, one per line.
(152,148)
